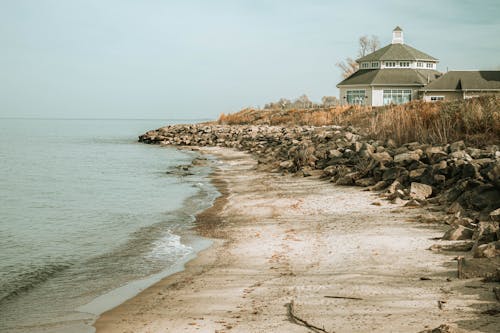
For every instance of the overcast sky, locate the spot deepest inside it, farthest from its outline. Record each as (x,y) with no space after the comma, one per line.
(166,59)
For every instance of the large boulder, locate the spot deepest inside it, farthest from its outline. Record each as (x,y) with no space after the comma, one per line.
(408,157)
(420,191)
(458,232)
(489,250)
(486,232)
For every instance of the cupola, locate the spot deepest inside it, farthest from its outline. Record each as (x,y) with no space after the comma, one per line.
(397,36)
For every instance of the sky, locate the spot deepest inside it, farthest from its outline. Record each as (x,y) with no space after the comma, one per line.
(189,59)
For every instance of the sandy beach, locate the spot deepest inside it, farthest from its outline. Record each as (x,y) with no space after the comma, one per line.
(295,254)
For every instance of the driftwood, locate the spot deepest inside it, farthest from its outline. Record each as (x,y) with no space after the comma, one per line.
(345,297)
(299,321)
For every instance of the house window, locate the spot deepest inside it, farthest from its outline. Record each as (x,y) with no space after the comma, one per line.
(430,65)
(390,64)
(397,96)
(365,65)
(355,97)
(437,98)
(420,64)
(375,64)
(404,64)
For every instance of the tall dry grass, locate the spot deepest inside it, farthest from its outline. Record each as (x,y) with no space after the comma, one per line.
(476,120)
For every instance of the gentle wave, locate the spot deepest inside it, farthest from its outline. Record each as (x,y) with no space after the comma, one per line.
(28,280)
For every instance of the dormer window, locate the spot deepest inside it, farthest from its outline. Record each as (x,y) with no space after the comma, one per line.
(430,65)
(365,65)
(390,64)
(375,64)
(420,64)
(404,64)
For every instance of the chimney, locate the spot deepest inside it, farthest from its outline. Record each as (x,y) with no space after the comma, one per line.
(397,36)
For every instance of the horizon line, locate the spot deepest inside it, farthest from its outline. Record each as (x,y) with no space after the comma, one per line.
(58,118)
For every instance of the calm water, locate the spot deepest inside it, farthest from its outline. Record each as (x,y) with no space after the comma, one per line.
(85,209)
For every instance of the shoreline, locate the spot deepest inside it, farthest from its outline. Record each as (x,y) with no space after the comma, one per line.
(270,254)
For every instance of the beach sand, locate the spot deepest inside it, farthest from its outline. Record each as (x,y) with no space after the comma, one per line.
(291,251)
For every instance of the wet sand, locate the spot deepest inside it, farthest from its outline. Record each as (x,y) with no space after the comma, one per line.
(291,252)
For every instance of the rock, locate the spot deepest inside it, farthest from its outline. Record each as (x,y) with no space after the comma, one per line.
(394,173)
(488,250)
(286,164)
(413,203)
(407,157)
(443,329)
(460,155)
(348,179)
(495,215)
(456,247)
(417,173)
(455,208)
(435,154)
(365,182)
(486,232)
(420,191)
(380,185)
(395,185)
(458,232)
(335,153)
(457,146)
(382,157)
(487,268)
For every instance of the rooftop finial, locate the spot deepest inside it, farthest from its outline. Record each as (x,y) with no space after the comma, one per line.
(397,36)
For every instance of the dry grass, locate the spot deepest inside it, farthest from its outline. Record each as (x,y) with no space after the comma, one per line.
(476,121)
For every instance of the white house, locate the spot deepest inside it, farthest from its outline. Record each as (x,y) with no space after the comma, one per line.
(394,74)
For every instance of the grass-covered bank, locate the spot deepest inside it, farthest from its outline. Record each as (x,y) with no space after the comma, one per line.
(476,121)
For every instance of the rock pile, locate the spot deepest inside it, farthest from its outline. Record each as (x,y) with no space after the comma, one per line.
(465,180)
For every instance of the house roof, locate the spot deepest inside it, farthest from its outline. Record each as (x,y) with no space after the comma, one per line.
(396,52)
(397,29)
(466,80)
(391,77)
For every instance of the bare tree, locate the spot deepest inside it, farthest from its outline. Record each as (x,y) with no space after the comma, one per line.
(366,45)
(348,67)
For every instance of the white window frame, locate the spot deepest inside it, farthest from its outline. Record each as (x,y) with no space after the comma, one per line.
(436,98)
(365,65)
(375,64)
(356,97)
(396,96)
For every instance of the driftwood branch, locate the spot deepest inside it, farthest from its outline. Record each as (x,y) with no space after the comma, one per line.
(299,321)
(345,297)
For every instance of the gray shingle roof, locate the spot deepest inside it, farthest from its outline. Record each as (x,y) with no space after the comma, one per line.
(466,80)
(387,77)
(395,52)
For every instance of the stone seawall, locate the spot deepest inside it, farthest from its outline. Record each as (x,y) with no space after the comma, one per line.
(463,181)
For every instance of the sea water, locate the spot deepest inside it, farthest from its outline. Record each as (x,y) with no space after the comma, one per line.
(88,217)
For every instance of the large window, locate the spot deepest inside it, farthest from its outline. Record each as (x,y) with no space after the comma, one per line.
(397,96)
(356,97)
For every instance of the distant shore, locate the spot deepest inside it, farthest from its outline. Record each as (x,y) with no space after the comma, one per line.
(292,251)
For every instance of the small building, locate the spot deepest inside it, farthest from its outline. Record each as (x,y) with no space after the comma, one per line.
(393,74)
(455,85)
